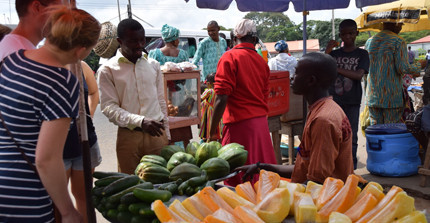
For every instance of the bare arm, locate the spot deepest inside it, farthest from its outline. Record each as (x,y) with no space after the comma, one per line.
(354,75)
(49,164)
(220,104)
(93,90)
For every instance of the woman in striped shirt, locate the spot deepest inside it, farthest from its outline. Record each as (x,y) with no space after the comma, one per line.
(38,99)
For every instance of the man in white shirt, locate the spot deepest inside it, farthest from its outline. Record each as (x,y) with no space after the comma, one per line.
(132,97)
(29,32)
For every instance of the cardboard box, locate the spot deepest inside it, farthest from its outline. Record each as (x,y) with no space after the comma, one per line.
(296,105)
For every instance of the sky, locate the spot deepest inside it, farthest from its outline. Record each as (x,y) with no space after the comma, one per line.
(176,13)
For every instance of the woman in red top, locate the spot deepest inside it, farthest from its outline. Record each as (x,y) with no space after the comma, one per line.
(242,89)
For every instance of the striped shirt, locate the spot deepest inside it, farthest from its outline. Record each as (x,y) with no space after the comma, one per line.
(388,63)
(30,93)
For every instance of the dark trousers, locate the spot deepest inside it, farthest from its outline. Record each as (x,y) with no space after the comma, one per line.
(353,114)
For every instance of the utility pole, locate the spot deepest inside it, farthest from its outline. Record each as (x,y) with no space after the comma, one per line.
(129,10)
(119,13)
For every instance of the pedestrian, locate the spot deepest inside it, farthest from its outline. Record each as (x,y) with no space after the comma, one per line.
(352,64)
(242,90)
(283,61)
(132,97)
(28,32)
(428,59)
(411,55)
(75,166)
(210,50)
(170,52)
(207,108)
(39,100)
(326,148)
(388,62)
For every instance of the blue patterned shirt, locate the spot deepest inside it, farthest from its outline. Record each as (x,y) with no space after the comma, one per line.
(388,63)
(210,52)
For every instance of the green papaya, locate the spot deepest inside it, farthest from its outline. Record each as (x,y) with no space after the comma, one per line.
(144,165)
(154,159)
(169,150)
(205,152)
(216,144)
(229,146)
(178,158)
(192,148)
(155,174)
(216,168)
(235,156)
(185,171)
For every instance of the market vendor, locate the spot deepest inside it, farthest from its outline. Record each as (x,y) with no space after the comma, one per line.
(326,148)
(242,89)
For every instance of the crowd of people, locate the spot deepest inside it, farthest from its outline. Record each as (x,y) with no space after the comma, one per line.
(40,150)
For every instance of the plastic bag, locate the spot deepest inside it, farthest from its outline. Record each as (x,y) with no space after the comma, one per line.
(364,119)
(170,66)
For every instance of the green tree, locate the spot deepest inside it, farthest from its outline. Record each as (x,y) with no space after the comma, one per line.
(93,61)
(274,26)
(322,30)
(412,36)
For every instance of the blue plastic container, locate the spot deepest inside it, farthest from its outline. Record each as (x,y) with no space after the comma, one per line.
(391,150)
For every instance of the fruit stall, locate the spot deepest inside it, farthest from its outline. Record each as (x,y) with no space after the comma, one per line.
(181,185)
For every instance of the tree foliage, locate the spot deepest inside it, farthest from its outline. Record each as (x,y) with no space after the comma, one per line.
(323,31)
(273,26)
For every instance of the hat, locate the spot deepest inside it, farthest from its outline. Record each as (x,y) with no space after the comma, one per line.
(281,45)
(169,33)
(245,27)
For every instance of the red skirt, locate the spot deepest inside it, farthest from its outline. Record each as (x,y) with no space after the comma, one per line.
(254,135)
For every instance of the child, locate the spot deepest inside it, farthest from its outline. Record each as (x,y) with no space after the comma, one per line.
(207,108)
(352,64)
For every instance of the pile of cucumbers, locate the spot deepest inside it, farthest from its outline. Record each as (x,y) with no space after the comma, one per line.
(125,198)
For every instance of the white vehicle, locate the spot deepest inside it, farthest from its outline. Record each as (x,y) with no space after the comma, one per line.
(188,39)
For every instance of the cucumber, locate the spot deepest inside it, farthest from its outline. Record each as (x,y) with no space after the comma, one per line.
(117,197)
(100,174)
(97,191)
(150,195)
(182,187)
(135,207)
(124,216)
(106,181)
(173,188)
(129,198)
(111,205)
(120,185)
(189,191)
(112,214)
(140,219)
(146,212)
(199,180)
(122,207)
(155,220)
(198,188)
(95,199)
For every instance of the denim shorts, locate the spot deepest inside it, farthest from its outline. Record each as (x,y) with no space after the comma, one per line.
(77,163)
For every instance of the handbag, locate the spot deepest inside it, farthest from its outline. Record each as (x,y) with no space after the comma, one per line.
(57,214)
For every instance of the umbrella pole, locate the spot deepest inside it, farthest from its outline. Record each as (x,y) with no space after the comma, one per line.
(83,135)
(305,13)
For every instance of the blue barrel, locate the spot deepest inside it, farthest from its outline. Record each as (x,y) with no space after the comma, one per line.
(391,150)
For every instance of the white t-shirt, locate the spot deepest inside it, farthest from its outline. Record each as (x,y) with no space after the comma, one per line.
(13,42)
(283,61)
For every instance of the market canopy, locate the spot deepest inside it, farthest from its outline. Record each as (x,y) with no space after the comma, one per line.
(412,13)
(282,5)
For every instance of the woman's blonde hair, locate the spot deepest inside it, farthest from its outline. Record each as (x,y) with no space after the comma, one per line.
(68,28)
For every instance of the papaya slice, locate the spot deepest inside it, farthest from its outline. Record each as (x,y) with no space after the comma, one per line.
(221,216)
(292,188)
(336,217)
(415,216)
(342,201)
(247,215)
(329,189)
(164,214)
(275,206)
(246,191)
(268,181)
(196,207)
(374,189)
(399,206)
(180,210)
(233,199)
(361,207)
(387,199)
(304,207)
(213,201)
(313,189)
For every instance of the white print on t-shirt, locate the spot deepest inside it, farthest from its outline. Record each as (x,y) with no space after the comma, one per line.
(344,84)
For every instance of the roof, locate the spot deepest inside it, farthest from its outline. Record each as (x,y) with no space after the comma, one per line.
(312,45)
(422,40)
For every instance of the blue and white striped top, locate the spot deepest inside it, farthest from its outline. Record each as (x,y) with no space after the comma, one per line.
(30,93)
